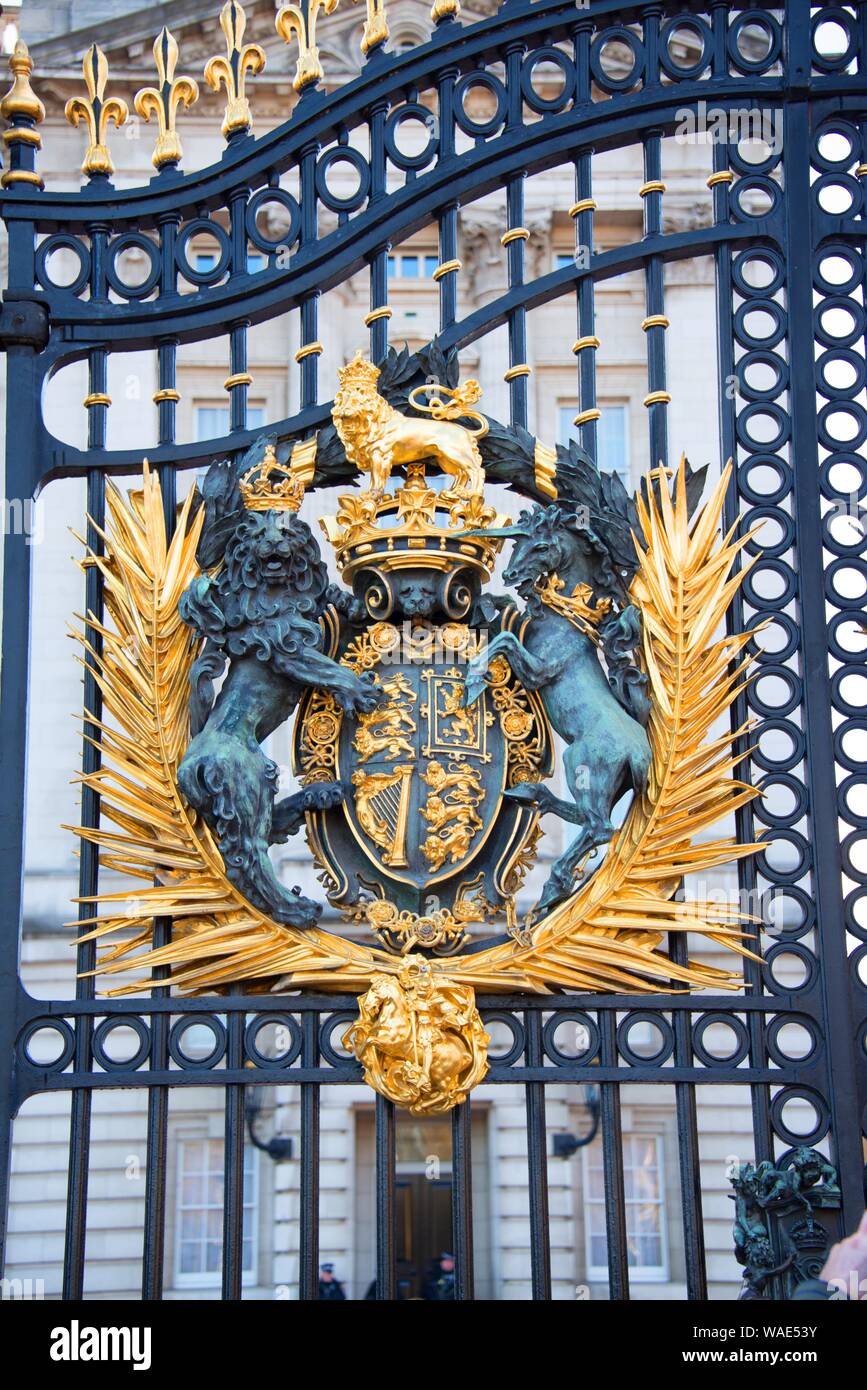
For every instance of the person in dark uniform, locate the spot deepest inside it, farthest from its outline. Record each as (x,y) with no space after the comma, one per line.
(329,1287)
(439,1286)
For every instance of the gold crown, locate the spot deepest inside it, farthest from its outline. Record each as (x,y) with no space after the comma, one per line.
(414,527)
(358,370)
(271,486)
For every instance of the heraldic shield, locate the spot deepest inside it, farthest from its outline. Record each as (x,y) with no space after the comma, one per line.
(424,711)
(424,841)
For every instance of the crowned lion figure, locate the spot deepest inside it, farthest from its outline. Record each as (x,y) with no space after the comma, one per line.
(377,437)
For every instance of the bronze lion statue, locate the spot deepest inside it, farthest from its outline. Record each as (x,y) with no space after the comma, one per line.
(259,618)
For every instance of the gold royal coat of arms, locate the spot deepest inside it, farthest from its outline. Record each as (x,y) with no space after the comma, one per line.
(434,723)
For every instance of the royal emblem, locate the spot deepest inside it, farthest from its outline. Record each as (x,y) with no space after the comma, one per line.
(426,715)
(426,838)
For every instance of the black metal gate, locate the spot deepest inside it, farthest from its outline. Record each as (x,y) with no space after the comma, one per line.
(787,239)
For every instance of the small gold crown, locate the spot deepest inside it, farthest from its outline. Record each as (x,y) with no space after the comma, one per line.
(271,486)
(359,369)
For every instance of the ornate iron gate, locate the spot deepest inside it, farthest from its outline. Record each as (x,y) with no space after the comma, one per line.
(787,239)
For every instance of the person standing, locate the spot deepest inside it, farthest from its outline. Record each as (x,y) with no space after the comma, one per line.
(330,1287)
(439,1286)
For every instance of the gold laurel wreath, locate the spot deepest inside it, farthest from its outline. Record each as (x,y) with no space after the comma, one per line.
(604,937)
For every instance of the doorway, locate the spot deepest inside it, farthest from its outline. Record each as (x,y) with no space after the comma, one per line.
(424,1230)
(423,1200)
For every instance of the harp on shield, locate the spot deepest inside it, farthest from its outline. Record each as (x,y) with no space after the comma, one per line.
(382,807)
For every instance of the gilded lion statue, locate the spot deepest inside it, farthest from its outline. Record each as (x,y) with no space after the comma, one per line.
(377,437)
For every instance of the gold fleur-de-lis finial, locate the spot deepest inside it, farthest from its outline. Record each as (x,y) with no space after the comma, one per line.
(163,101)
(96,111)
(376,26)
(231,71)
(299,22)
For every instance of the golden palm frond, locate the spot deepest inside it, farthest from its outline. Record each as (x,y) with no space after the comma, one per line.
(605,937)
(143,675)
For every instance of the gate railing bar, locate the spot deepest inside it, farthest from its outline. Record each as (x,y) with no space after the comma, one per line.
(657,396)
(537,1165)
(157,1147)
(88,869)
(497,1076)
(612,1159)
(689,1157)
(841,1086)
(488,1003)
(517,374)
(233,1168)
(386,1278)
(238,381)
(584,348)
(448,218)
(60,460)
(462,1201)
(735,616)
(308,1221)
(21,401)
(308,353)
(655,328)
(377,319)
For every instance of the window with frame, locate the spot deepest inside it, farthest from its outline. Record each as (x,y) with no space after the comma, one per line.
(212,421)
(612,436)
(646,1215)
(199,1213)
(204,261)
(412,266)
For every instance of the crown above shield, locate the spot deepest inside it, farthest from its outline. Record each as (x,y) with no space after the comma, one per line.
(414,527)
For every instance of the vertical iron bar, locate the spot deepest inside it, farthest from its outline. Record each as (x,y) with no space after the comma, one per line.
(96,403)
(238,381)
(612,1158)
(309,1195)
(689,1158)
(462,1202)
(233,1167)
(157,1153)
(735,617)
(377,319)
(308,353)
(586,344)
(446,273)
(386,1284)
(842,1087)
(88,876)
(537,1163)
(23,386)
(655,323)
(513,240)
